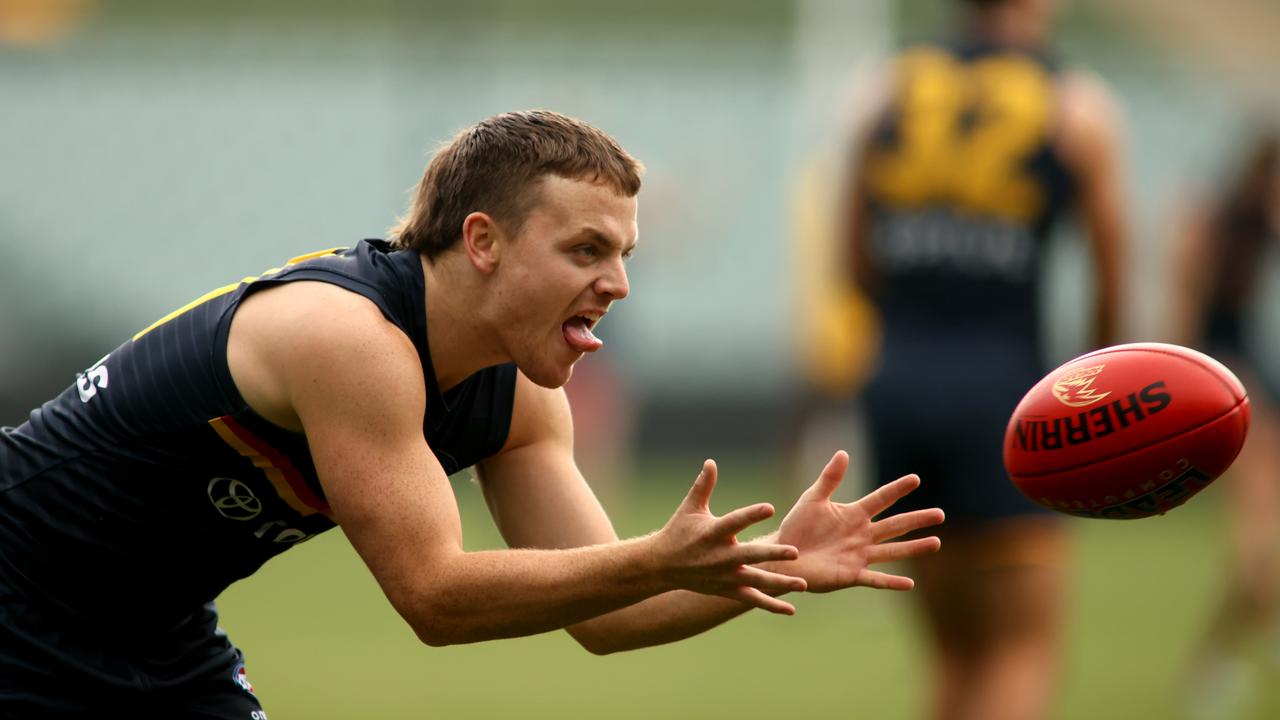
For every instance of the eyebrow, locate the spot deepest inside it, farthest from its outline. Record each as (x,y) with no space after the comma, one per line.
(601,239)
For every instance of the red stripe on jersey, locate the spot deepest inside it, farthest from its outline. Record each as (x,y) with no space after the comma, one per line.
(286,479)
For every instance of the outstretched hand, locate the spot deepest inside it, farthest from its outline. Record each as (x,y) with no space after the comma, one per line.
(838,541)
(701,552)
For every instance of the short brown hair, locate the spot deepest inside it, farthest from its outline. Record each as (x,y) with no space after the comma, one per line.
(494,167)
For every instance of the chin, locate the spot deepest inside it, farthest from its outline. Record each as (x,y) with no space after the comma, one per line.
(549,377)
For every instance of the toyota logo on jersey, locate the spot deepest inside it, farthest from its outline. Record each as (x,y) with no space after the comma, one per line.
(233,499)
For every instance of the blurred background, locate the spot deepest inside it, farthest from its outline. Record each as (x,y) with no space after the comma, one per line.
(150,151)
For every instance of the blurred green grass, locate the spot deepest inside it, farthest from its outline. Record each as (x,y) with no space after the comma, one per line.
(322,642)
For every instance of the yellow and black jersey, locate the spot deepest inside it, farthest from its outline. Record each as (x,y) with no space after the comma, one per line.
(148,486)
(963,184)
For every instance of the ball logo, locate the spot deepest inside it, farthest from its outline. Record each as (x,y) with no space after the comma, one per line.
(1076,387)
(233,499)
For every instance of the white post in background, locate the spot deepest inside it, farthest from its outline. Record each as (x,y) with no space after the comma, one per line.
(838,49)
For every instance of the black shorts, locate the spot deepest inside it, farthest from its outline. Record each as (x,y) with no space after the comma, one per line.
(53,667)
(947,425)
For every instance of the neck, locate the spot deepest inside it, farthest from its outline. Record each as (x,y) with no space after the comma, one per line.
(461,340)
(1009,23)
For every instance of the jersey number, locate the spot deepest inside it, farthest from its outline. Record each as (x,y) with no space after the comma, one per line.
(964,133)
(88,382)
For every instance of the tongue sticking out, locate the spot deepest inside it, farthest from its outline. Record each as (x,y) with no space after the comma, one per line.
(579,336)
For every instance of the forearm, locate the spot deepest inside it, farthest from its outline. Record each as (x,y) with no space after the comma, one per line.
(1107,230)
(1108,250)
(477,596)
(659,620)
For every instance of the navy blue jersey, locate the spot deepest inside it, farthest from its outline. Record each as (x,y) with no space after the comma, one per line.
(149,486)
(963,185)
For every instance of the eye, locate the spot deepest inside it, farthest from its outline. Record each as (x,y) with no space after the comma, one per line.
(629,254)
(587,251)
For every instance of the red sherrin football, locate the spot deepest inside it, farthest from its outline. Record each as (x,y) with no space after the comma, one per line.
(1127,431)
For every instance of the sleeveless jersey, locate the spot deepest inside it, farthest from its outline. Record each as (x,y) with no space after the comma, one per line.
(963,185)
(147,487)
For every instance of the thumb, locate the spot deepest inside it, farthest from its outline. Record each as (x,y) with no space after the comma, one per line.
(699,496)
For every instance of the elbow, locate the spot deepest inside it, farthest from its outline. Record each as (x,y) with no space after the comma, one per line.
(594,640)
(444,630)
(434,624)
(597,648)
(432,634)
(434,629)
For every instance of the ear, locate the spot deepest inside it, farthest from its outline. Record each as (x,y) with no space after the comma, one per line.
(482,239)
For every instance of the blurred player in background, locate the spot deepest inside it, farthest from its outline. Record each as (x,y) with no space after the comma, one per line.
(1217,283)
(983,142)
(279,407)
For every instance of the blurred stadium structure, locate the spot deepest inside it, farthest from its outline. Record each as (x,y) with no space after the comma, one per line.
(152,150)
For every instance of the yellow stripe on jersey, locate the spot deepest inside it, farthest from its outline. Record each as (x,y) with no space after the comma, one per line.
(228,288)
(263,463)
(313,255)
(198,301)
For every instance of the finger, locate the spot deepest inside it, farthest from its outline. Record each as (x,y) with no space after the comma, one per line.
(903,523)
(755,598)
(890,552)
(829,479)
(735,522)
(770,582)
(884,581)
(755,553)
(880,499)
(699,496)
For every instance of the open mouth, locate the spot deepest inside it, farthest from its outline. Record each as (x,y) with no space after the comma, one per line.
(577,332)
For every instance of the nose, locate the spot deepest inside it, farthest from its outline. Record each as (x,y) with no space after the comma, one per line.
(613,282)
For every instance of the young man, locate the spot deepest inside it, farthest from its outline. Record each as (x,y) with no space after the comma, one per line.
(982,144)
(276,408)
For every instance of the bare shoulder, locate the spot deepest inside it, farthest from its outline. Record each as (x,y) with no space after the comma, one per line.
(1086,93)
(1091,118)
(539,414)
(300,339)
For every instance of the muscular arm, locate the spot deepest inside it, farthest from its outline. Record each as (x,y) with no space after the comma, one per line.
(1091,144)
(539,499)
(856,219)
(355,385)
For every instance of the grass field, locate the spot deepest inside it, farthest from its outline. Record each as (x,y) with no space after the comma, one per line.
(322,642)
